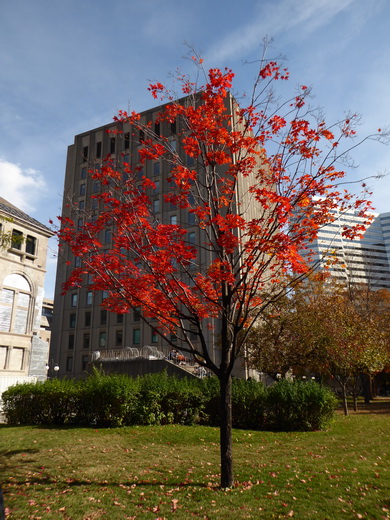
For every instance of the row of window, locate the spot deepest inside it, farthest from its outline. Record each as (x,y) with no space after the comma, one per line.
(102,339)
(102,342)
(27,244)
(126,140)
(69,363)
(103,314)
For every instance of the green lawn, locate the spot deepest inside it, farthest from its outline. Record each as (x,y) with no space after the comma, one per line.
(172,472)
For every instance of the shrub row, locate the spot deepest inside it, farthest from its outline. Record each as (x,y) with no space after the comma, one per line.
(118,400)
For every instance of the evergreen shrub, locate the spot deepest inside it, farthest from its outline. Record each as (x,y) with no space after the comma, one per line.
(118,400)
(298,406)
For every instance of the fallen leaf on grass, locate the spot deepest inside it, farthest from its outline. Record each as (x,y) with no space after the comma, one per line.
(174,504)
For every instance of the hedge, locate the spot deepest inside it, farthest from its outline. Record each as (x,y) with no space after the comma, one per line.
(118,400)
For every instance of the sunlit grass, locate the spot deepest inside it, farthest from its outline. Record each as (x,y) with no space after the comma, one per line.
(173,472)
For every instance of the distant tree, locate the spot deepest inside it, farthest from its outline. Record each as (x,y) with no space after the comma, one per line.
(287,338)
(243,173)
(337,331)
(6,237)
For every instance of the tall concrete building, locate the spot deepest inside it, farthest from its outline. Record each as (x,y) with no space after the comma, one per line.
(82,329)
(359,261)
(23,354)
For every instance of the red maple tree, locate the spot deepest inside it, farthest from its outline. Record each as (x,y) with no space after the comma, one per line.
(247,177)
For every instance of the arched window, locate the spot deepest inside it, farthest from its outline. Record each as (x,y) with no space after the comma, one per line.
(15,304)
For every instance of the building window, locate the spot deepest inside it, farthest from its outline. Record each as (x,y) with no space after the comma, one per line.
(112,145)
(82,189)
(84,362)
(15,304)
(83,172)
(87,319)
(102,339)
(141,136)
(98,149)
(85,153)
(17,239)
(79,223)
(86,338)
(191,219)
(107,236)
(104,295)
(88,299)
(137,314)
(173,127)
(156,168)
(69,363)
(119,338)
(154,336)
(127,140)
(157,188)
(17,358)
(81,205)
(173,220)
(31,243)
(3,357)
(156,206)
(119,318)
(192,237)
(72,321)
(103,317)
(136,336)
(157,128)
(74,300)
(71,341)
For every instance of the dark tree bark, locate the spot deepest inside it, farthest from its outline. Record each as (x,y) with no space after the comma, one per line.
(227,475)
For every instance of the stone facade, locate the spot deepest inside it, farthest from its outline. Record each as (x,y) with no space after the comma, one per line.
(23,354)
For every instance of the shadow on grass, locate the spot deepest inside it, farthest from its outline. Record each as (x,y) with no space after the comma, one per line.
(70,483)
(11,453)
(378,406)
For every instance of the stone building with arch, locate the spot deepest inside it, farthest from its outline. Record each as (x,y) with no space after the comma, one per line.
(23,250)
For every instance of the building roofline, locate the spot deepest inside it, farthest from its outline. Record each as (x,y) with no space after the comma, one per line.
(14,212)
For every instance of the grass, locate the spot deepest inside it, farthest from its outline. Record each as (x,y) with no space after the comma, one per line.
(172,472)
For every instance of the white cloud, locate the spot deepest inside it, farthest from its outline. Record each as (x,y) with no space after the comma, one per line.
(279,18)
(22,187)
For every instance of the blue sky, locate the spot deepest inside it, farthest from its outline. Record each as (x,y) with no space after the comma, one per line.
(68,66)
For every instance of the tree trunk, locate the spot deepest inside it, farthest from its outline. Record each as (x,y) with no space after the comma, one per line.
(344,395)
(367,389)
(226,441)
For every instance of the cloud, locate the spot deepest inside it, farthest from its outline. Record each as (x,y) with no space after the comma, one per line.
(22,187)
(276,20)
